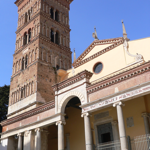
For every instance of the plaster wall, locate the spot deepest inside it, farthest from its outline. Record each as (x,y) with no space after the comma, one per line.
(115,59)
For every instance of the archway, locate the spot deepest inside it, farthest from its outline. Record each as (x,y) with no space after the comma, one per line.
(74,128)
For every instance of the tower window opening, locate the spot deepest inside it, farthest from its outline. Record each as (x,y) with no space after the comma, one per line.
(26,62)
(52,13)
(57,67)
(21,92)
(29,34)
(52,35)
(29,14)
(57,38)
(25,39)
(26,17)
(57,15)
(23,64)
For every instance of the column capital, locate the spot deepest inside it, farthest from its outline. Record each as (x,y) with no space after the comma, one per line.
(60,122)
(118,103)
(26,133)
(145,115)
(114,123)
(19,134)
(38,129)
(85,114)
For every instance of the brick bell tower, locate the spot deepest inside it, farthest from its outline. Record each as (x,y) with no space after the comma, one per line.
(42,47)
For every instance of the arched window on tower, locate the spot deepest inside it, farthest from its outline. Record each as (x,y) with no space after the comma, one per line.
(57,67)
(25,38)
(52,35)
(52,13)
(29,14)
(57,37)
(26,61)
(23,65)
(29,34)
(57,15)
(26,16)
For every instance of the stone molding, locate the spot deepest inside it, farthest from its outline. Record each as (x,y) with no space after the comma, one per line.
(61,107)
(119,78)
(120,97)
(98,54)
(64,3)
(60,122)
(56,22)
(30,113)
(80,76)
(115,42)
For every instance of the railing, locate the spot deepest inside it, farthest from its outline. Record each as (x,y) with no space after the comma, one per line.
(141,143)
(114,145)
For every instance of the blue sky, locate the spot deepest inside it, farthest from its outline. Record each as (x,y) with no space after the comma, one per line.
(106,15)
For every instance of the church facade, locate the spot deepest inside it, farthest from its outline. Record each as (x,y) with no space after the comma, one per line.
(100,102)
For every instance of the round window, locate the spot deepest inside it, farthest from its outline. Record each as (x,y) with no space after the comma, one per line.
(98,68)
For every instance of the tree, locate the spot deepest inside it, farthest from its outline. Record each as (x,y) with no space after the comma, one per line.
(4,98)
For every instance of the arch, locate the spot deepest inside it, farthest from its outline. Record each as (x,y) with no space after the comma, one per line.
(29,34)
(26,16)
(57,15)
(67,98)
(52,13)
(26,61)
(25,38)
(23,65)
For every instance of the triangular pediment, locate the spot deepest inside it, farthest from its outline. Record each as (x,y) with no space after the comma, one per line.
(98,47)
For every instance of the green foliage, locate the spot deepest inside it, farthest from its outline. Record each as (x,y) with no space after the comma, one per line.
(4,98)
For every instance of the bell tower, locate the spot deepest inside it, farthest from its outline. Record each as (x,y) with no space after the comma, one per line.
(42,47)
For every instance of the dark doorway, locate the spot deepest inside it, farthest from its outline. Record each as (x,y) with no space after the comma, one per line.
(105,133)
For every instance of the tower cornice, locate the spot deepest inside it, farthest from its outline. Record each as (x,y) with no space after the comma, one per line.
(41,13)
(65,3)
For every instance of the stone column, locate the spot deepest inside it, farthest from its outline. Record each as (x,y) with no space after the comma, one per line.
(146,122)
(88,133)
(60,39)
(20,141)
(59,16)
(121,125)
(27,38)
(60,135)
(38,139)
(54,37)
